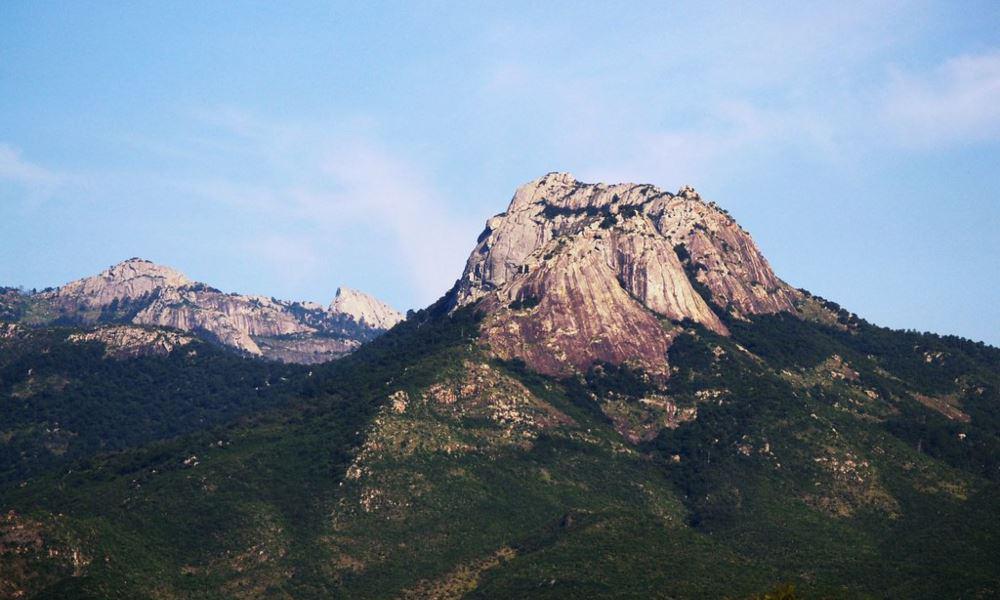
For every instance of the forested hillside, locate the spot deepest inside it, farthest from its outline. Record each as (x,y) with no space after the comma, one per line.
(853,466)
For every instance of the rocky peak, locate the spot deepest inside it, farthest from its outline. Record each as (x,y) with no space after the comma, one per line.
(688,193)
(575,272)
(552,187)
(133,278)
(140,267)
(365,309)
(140,292)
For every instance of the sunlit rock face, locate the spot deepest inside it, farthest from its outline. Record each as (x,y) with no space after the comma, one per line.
(140,292)
(574,273)
(365,309)
(129,341)
(131,279)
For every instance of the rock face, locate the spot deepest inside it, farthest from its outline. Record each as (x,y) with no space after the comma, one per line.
(575,273)
(365,309)
(11,304)
(130,279)
(9,331)
(128,341)
(140,292)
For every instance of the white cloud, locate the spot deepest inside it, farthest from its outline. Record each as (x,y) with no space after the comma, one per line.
(955,102)
(701,96)
(733,134)
(327,185)
(16,169)
(387,193)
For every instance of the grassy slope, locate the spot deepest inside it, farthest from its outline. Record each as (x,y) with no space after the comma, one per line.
(270,512)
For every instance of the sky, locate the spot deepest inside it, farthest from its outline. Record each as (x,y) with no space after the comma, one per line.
(289,148)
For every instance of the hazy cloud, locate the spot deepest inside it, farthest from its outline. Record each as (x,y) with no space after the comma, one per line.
(736,132)
(957,101)
(327,184)
(389,194)
(14,168)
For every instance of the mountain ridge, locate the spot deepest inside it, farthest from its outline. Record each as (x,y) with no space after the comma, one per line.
(140,292)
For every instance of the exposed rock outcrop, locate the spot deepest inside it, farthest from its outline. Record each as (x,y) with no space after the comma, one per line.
(129,341)
(306,350)
(365,309)
(140,292)
(9,331)
(11,304)
(574,273)
(233,320)
(130,279)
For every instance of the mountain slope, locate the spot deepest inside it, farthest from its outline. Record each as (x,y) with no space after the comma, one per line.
(68,395)
(143,293)
(478,477)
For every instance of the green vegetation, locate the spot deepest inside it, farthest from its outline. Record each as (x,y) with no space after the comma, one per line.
(64,401)
(551,211)
(12,304)
(820,464)
(604,379)
(524,303)
(120,311)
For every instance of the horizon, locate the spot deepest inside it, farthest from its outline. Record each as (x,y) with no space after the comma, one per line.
(288,151)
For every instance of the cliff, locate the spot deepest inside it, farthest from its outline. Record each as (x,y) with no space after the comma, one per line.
(574,273)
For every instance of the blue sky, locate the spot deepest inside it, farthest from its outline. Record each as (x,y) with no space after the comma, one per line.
(289,148)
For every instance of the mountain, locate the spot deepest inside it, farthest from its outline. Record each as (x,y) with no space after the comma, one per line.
(140,292)
(618,399)
(575,273)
